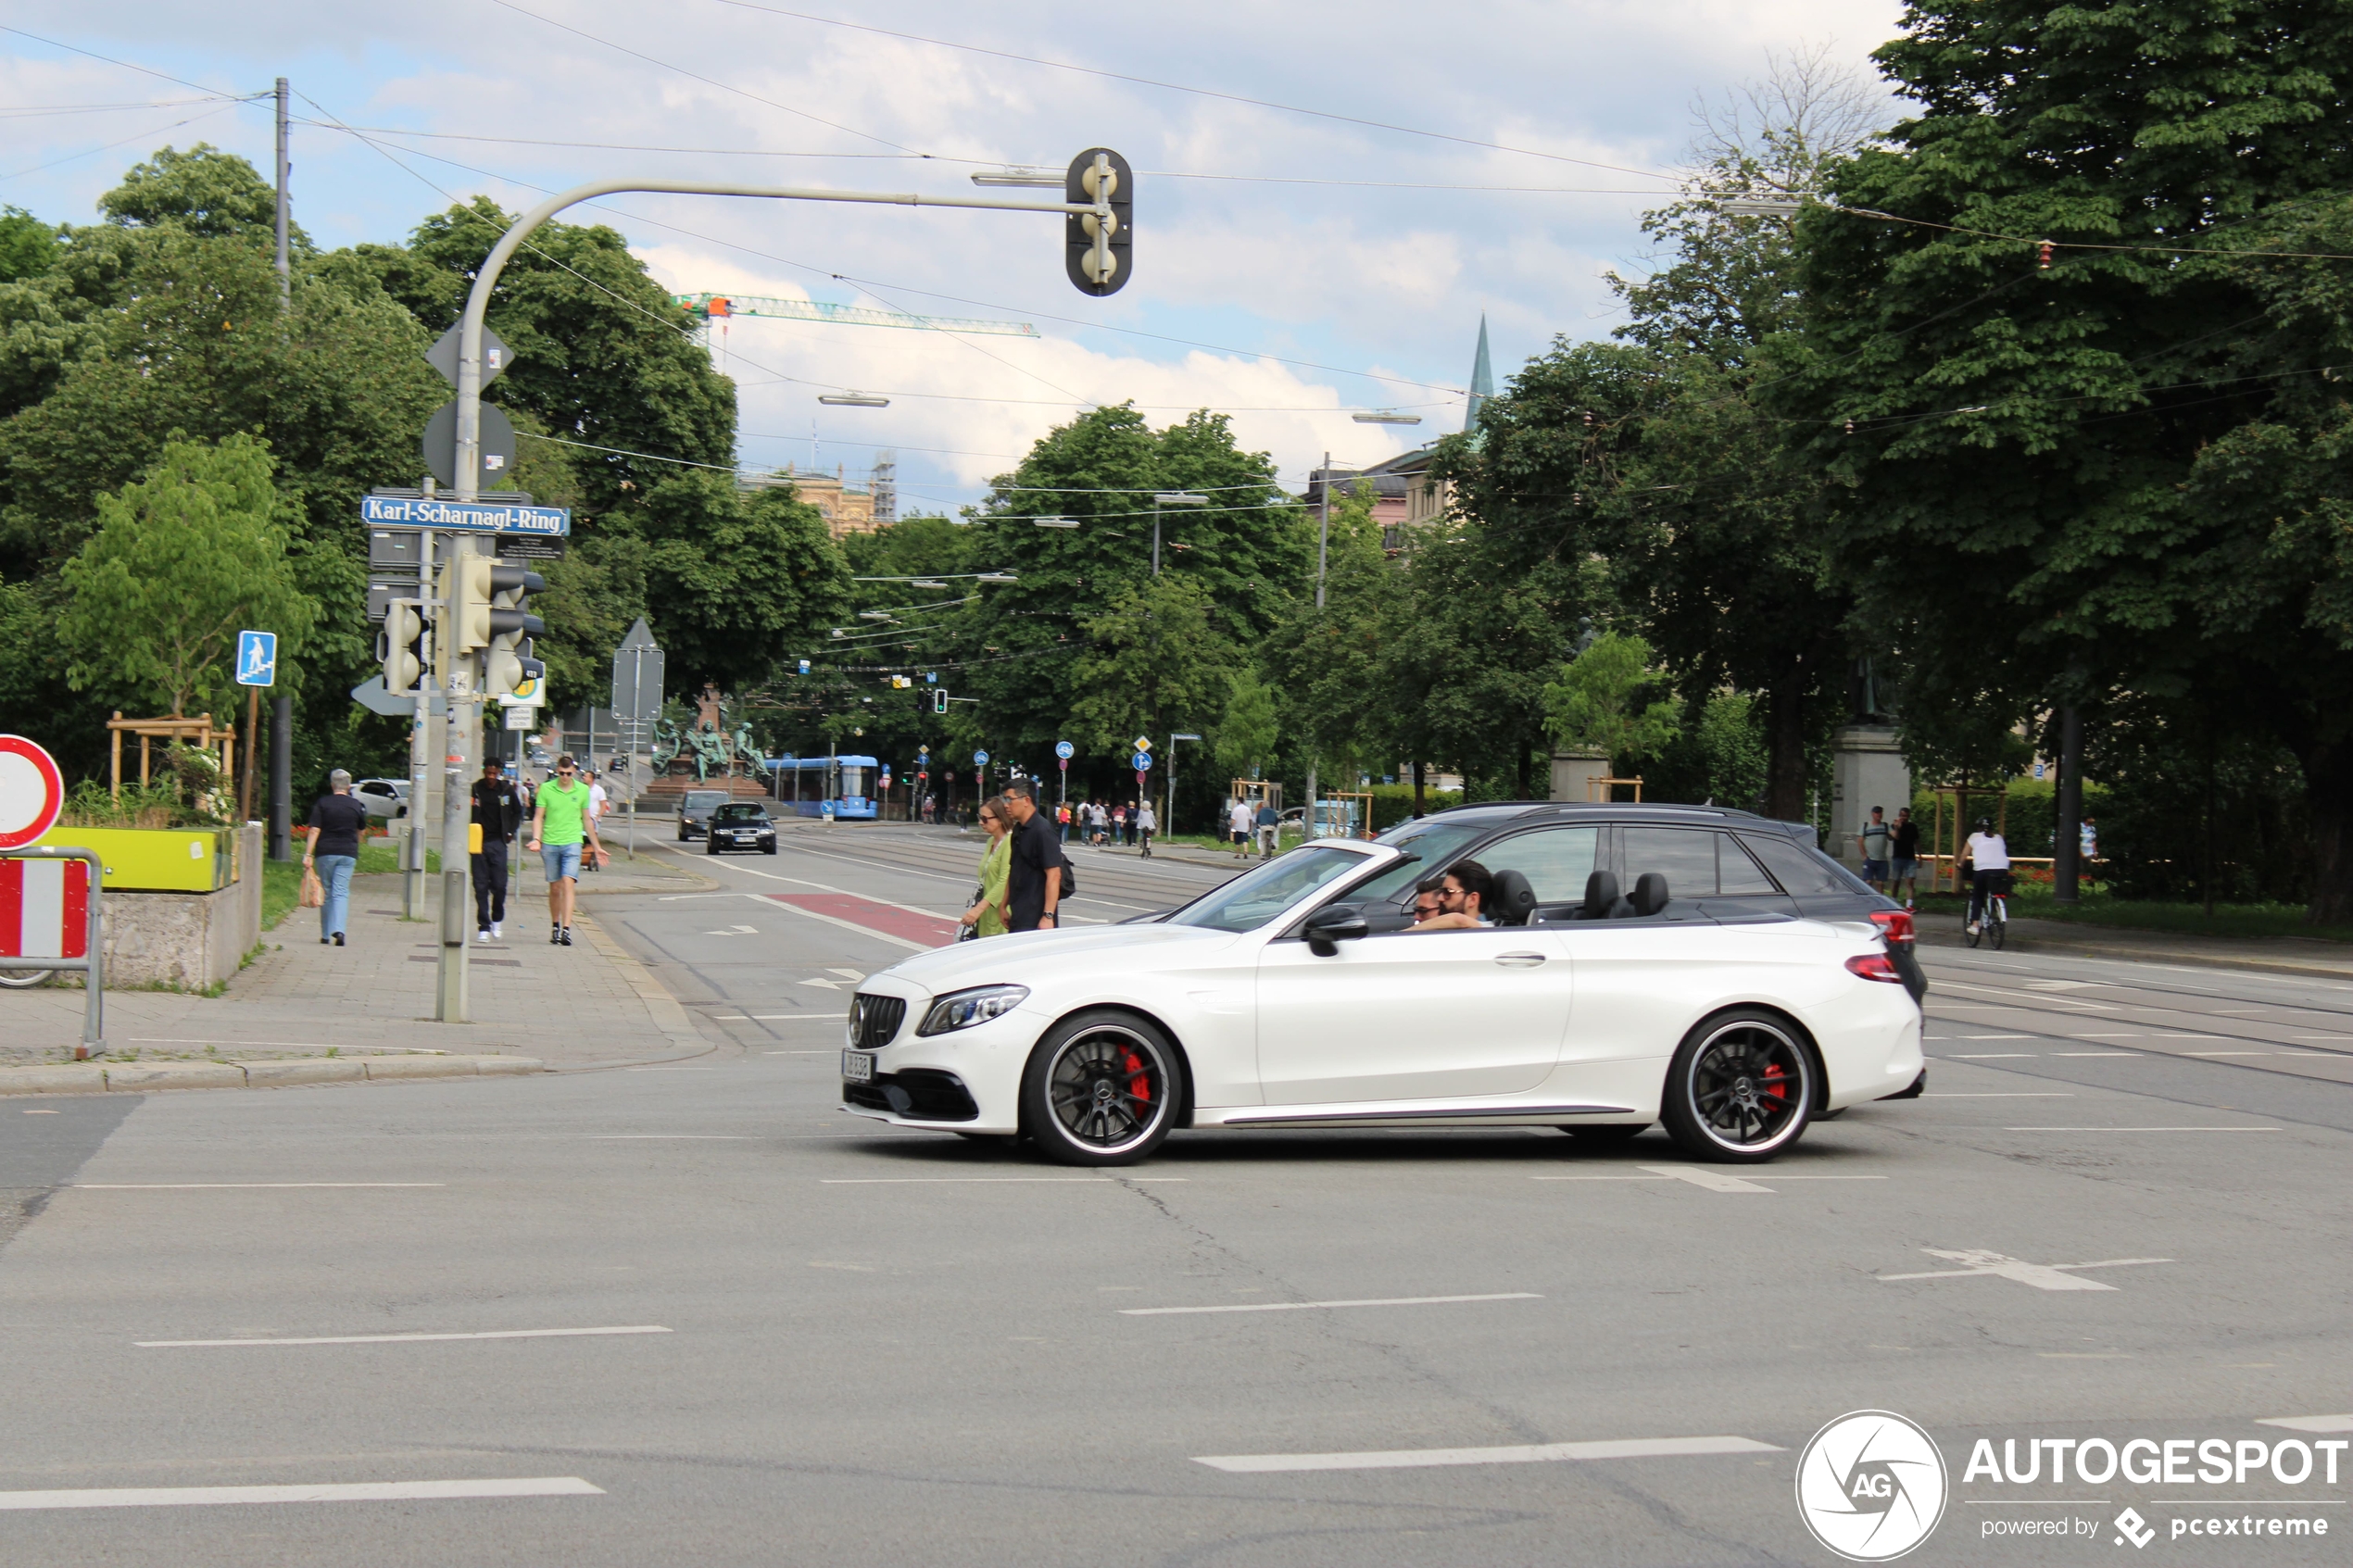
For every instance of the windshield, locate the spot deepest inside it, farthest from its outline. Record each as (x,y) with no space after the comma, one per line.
(1256,896)
(703,799)
(1433,840)
(740,814)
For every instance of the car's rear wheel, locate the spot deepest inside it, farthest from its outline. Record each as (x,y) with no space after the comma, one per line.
(1100,1089)
(1602,1133)
(1741,1087)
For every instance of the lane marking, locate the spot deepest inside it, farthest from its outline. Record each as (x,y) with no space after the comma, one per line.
(2100,1053)
(2309,1422)
(1714,1181)
(2042,1276)
(1934,1095)
(1994,1036)
(406,1339)
(931,1180)
(776,898)
(1534,1453)
(209,1186)
(2108,1034)
(944,876)
(2140,1129)
(1323,1306)
(2039,999)
(362,1491)
(1989,1056)
(696,1137)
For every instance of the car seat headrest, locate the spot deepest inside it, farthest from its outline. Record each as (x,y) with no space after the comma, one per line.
(1601,896)
(1514,900)
(1650,893)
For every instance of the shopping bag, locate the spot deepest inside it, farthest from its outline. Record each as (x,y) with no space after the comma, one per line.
(314,892)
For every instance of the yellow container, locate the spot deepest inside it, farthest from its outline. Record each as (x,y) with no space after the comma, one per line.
(155,860)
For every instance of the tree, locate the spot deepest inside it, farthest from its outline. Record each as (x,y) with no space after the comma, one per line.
(183,560)
(1606,701)
(203,191)
(1158,664)
(1245,736)
(735,578)
(28,247)
(2031,458)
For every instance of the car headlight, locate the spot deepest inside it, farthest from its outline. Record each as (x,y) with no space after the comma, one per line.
(962,1009)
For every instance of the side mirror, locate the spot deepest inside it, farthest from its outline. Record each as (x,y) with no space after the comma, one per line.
(1333,925)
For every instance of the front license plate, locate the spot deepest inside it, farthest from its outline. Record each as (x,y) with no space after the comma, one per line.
(858,1066)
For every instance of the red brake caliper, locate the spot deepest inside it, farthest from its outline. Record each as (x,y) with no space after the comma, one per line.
(1776,1082)
(1139,1084)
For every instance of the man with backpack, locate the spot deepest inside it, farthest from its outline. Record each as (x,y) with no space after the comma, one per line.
(1036,877)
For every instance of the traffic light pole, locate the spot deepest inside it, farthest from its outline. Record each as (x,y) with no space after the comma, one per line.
(469,443)
(412,848)
(462,695)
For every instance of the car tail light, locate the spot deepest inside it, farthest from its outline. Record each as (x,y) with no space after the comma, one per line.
(1894,924)
(1875,966)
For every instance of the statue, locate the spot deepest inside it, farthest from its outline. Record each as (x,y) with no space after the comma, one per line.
(668,744)
(712,750)
(746,752)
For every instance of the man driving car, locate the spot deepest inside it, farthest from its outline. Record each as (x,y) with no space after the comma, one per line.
(1459,895)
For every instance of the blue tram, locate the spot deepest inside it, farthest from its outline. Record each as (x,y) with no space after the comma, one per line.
(808,786)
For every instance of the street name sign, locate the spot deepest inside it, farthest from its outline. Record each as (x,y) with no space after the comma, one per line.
(466,517)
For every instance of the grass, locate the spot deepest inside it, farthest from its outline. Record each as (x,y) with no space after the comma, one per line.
(282,879)
(2250,922)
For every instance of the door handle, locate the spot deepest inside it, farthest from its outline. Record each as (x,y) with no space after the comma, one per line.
(1520,960)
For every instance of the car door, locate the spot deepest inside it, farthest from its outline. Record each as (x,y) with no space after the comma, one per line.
(1411,1015)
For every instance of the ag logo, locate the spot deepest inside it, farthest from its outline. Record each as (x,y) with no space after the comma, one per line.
(1870,1486)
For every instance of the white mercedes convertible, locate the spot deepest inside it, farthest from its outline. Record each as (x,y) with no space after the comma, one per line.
(1268,1003)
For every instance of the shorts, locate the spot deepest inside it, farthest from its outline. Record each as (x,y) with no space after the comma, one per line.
(1875,871)
(560,861)
(1906,869)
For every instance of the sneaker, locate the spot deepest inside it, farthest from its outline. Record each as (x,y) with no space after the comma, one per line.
(1972,928)
(555,935)
(566,939)
(483,935)
(497,933)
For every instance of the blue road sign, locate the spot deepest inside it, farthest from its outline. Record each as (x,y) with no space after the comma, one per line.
(1065,750)
(257,658)
(1142,762)
(981,759)
(467,517)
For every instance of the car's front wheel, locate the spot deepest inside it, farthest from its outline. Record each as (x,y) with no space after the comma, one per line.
(1741,1087)
(1100,1089)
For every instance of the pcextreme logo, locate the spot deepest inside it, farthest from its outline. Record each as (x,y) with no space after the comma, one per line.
(1870,1486)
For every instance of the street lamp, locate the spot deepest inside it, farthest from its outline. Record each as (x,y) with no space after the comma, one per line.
(1170,499)
(995,577)
(854,399)
(1385,416)
(1019,174)
(1760,204)
(1055,521)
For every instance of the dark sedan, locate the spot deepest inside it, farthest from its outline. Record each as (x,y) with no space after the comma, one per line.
(741,825)
(695,809)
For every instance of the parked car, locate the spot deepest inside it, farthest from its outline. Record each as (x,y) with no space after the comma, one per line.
(741,824)
(1290,999)
(695,808)
(384,799)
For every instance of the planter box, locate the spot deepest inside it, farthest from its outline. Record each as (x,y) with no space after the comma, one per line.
(181,907)
(156,859)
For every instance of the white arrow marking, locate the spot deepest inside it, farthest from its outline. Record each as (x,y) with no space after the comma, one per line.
(2042,1276)
(828,985)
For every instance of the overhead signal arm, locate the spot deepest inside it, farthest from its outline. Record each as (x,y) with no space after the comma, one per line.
(709,307)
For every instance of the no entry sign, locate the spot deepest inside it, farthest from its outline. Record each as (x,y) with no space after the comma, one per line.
(31,792)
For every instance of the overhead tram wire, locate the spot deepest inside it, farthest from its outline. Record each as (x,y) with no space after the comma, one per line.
(1197,92)
(144,135)
(870,284)
(126,65)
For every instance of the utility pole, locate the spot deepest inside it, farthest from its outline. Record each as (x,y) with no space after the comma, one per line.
(1323,545)
(286,168)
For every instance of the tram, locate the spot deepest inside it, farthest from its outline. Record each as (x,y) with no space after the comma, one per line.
(842,787)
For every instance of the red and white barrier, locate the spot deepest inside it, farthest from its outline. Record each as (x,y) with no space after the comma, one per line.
(44,909)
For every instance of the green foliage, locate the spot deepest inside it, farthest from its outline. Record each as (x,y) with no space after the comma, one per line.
(28,247)
(1245,736)
(1604,702)
(182,559)
(1158,663)
(734,577)
(203,191)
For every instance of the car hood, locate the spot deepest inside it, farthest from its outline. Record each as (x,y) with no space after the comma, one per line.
(1036,956)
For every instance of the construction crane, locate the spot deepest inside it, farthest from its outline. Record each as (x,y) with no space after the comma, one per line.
(709,307)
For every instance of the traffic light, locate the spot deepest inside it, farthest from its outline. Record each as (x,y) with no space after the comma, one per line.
(1099,262)
(485,601)
(509,664)
(939,700)
(404,647)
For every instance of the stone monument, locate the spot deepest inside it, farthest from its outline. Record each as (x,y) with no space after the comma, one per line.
(1866,768)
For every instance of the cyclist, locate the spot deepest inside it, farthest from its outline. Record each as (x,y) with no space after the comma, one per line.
(1990,854)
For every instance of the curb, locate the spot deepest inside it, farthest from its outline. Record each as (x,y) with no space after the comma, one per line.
(676,1024)
(138,1077)
(2162,956)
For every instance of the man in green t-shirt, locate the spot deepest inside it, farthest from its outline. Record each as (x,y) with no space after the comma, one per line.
(560,822)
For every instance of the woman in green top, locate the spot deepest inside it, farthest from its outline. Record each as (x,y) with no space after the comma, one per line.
(988,915)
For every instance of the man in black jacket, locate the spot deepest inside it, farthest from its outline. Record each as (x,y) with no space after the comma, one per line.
(498,813)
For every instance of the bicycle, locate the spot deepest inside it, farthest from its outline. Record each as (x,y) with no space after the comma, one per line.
(1995,921)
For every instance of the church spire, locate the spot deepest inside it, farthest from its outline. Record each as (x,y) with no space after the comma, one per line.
(1482,384)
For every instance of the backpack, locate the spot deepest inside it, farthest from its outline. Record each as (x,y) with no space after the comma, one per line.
(1070,878)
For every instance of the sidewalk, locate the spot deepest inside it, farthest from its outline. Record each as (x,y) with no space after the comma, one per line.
(588,1005)
(2282,955)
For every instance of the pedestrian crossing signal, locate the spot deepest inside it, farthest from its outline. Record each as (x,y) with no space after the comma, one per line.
(940,701)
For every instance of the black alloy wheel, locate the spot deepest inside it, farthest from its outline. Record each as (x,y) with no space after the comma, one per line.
(1100,1089)
(1741,1087)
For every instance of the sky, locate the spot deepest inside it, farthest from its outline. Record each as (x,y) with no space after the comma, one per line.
(1290,268)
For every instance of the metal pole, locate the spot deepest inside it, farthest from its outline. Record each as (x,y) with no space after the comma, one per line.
(2067,848)
(412,856)
(1323,545)
(469,443)
(463,697)
(1155,538)
(253,738)
(282,778)
(285,170)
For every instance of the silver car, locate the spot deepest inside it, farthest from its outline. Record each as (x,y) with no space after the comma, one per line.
(386,798)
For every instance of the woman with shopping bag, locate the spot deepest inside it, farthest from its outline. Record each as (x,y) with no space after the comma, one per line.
(336,823)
